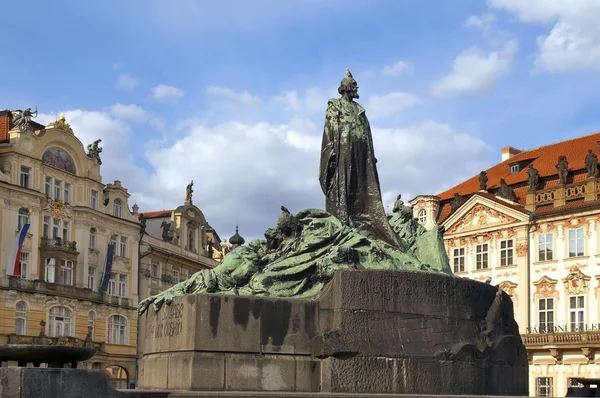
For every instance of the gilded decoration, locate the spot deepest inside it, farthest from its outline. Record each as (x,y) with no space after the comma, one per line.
(60,159)
(61,123)
(521,250)
(509,288)
(576,282)
(58,209)
(480,216)
(545,287)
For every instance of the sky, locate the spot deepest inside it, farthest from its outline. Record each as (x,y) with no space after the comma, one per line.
(232,93)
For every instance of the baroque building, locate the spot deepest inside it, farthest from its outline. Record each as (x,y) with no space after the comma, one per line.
(53,285)
(531,225)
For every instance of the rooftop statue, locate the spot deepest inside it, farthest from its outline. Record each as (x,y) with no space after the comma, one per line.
(299,256)
(22,118)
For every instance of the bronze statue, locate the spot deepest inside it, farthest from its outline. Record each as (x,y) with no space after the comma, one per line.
(189,191)
(166,230)
(22,119)
(348,174)
(563,169)
(506,192)
(94,150)
(483,179)
(398,204)
(591,163)
(533,177)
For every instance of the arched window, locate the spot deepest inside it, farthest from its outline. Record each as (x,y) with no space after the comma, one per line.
(117,207)
(117,330)
(61,322)
(92,238)
(117,376)
(21,318)
(23,217)
(422,216)
(91,323)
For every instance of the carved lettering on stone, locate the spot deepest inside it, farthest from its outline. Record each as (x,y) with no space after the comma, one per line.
(480,216)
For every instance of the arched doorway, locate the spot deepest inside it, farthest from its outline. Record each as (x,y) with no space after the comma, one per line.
(117,376)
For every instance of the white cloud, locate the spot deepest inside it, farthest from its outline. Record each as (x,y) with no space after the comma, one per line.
(475,72)
(241,97)
(162,92)
(312,101)
(483,22)
(574,40)
(131,112)
(396,69)
(127,83)
(386,105)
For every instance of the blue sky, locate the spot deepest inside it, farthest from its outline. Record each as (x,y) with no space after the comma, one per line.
(232,93)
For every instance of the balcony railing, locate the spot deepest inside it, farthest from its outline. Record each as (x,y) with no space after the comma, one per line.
(574,339)
(58,243)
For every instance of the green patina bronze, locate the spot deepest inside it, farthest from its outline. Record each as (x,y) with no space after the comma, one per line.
(298,257)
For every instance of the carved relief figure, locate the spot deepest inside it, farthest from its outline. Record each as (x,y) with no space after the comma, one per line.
(483,179)
(506,192)
(533,177)
(166,230)
(563,169)
(94,150)
(22,119)
(591,163)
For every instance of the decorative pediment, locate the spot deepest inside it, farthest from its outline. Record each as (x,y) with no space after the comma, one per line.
(480,216)
(509,288)
(576,282)
(545,287)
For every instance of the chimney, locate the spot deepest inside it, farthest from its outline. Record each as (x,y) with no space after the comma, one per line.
(5,125)
(508,152)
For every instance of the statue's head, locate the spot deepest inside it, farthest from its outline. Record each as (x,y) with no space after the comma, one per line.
(456,195)
(589,151)
(348,86)
(502,181)
(399,197)
(531,165)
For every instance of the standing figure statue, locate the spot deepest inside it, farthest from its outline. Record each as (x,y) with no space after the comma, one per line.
(189,191)
(591,163)
(94,150)
(348,174)
(533,177)
(22,119)
(483,179)
(563,169)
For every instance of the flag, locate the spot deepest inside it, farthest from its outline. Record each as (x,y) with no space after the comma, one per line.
(13,267)
(107,270)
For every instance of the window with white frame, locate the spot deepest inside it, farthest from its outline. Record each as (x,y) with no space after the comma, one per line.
(123,285)
(123,247)
(50,268)
(92,278)
(543,386)
(24,264)
(67,193)
(21,318)
(113,242)
(117,208)
(61,322)
(65,230)
(175,276)
(481,256)
(57,189)
(93,238)
(458,259)
(46,227)
(507,252)
(576,242)
(514,168)
(546,315)
(422,216)
(155,269)
(66,272)
(94,199)
(23,217)
(55,228)
(92,322)
(25,177)
(545,246)
(48,186)
(576,313)
(117,329)
(112,284)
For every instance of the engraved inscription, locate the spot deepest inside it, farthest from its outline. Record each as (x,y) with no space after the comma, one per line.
(168,322)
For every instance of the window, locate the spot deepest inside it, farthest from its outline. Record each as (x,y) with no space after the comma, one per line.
(545,247)
(422,216)
(506,252)
(21,318)
(92,322)
(50,266)
(458,258)
(92,278)
(577,313)
(546,315)
(117,208)
(25,176)
(55,228)
(67,193)
(543,386)
(57,189)
(93,238)
(481,256)
(46,229)
(65,230)
(117,330)
(24,263)
(514,168)
(175,276)
(112,284)
(61,319)
(155,270)
(66,272)
(113,241)
(123,248)
(48,187)
(22,218)
(576,242)
(123,285)
(94,200)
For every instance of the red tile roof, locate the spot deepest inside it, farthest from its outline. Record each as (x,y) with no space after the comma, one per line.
(5,125)
(544,159)
(158,214)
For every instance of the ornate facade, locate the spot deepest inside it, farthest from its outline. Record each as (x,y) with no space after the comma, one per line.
(531,225)
(49,181)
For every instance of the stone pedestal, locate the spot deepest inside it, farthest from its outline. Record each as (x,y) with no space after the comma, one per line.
(370,332)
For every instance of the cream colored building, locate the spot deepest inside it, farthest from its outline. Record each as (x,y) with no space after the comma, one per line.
(541,246)
(48,180)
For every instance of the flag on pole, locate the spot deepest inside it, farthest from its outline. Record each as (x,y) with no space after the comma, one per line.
(108,269)
(13,267)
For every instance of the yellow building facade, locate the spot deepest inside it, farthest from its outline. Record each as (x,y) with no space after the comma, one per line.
(535,234)
(50,181)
